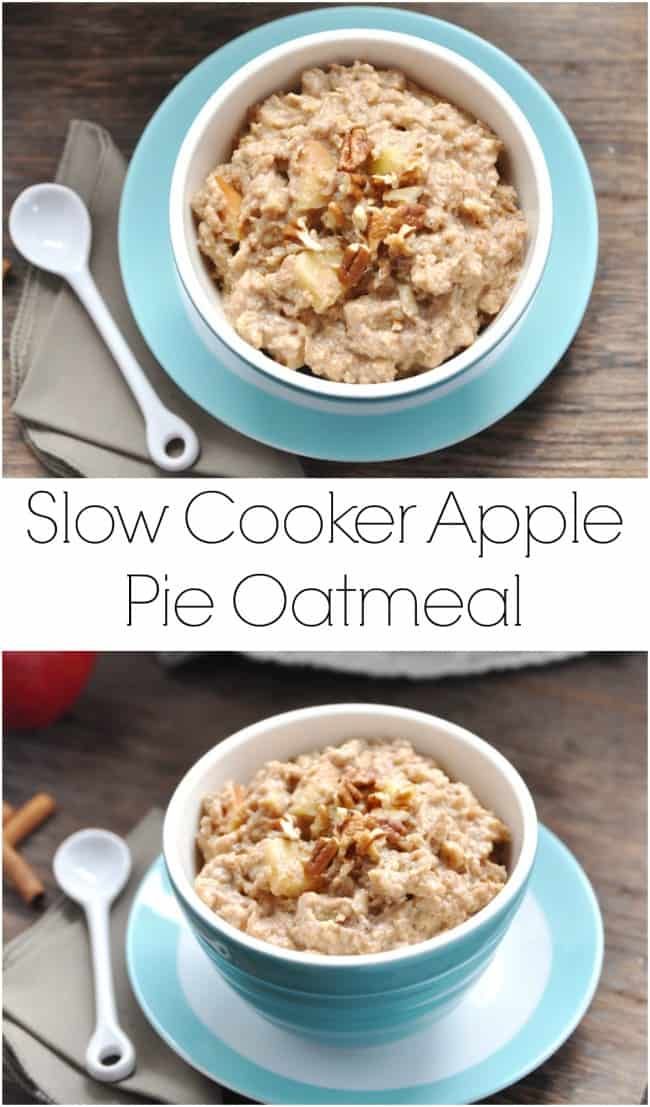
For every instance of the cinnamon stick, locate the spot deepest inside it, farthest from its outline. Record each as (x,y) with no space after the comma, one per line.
(19,873)
(7,812)
(28,817)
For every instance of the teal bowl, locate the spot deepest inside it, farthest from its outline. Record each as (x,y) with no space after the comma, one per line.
(372,998)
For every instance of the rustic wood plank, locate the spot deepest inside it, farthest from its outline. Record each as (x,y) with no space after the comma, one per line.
(576,731)
(589,417)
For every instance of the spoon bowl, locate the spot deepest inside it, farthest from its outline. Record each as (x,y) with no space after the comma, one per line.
(92,863)
(50,225)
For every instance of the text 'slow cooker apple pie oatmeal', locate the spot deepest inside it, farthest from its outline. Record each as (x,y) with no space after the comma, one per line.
(357,849)
(361,228)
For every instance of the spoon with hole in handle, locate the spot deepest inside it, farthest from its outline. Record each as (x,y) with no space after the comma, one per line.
(92,867)
(50,226)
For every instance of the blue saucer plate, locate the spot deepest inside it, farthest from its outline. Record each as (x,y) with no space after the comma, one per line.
(519,1012)
(450,415)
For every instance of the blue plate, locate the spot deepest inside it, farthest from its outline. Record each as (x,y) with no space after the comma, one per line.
(151,283)
(526,1004)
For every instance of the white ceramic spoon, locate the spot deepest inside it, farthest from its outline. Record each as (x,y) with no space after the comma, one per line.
(92,867)
(50,226)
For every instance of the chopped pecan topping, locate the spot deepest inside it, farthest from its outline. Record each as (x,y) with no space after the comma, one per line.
(321,823)
(292,232)
(387,221)
(404,798)
(413,175)
(379,226)
(395,833)
(375,799)
(349,794)
(356,260)
(322,855)
(382,181)
(334,217)
(413,214)
(364,783)
(397,243)
(365,842)
(355,149)
(382,275)
(354,186)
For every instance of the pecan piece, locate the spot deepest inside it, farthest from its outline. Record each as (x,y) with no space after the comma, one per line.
(379,226)
(404,797)
(383,181)
(413,214)
(396,834)
(398,244)
(349,795)
(353,186)
(355,262)
(364,782)
(322,855)
(321,823)
(365,843)
(375,799)
(334,217)
(292,232)
(355,149)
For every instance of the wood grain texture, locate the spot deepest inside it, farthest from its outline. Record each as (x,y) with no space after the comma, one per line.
(576,731)
(589,417)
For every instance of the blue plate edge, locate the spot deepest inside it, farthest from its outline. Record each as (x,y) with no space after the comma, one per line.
(417,1093)
(359,456)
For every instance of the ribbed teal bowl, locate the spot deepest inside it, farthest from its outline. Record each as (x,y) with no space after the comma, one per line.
(372,998)
(355,1005)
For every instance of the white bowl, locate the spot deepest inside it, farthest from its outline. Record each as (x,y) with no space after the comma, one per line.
(214,132)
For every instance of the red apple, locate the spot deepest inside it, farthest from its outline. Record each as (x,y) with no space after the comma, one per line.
(40,687)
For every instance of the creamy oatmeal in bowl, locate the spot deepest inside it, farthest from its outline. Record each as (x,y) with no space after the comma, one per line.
(358,848)
(361,229)
(359,215)
(357,989)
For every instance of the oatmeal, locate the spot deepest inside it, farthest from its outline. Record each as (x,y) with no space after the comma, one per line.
(356,849)
(361,229)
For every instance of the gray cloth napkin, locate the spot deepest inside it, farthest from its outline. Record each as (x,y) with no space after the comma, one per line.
(48,1011)
(76,411)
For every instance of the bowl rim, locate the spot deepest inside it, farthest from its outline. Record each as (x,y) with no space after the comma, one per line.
(493,334)
(504,898)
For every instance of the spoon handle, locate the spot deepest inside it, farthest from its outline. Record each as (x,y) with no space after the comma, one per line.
(162,426)
(110,1056)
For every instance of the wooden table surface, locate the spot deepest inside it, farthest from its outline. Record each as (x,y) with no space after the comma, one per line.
(589,417)
(575,730)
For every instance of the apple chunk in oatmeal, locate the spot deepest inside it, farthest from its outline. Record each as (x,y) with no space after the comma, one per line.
(356,849)
(361,229)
